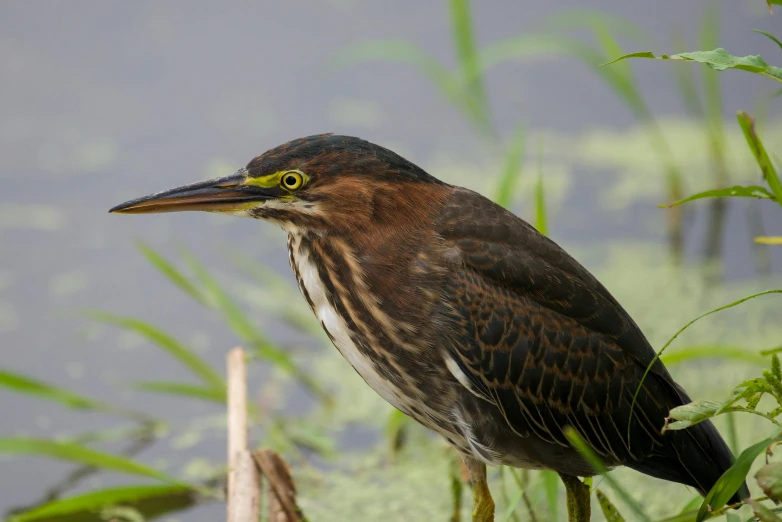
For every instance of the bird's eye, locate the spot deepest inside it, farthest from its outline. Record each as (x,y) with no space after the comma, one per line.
(292,180)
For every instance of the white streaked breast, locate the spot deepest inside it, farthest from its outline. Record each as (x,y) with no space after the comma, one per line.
(336,327)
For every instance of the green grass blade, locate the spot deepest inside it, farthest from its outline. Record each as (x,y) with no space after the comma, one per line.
(709,39)
(602,26)
(511,171)
(241,325)
(609,46)
(450,87)
(80,455)
(759,151)
(170,272)
(682,329)
(518,48)
(159,338)
(712,94)
(733,434)
(181,389)
(150,501)
(401,52)
(685,80)
(551,485)
(25,385)
(586,452)
(710,351)
(689,516)
(619,80)
(751,191)
(609,510)
(294,313)
(770,37)
(541,217)
(395,428)
(730,481)
(591,18)
(688,512)
(513,505)
(464,41)
(762,513)
(148,431)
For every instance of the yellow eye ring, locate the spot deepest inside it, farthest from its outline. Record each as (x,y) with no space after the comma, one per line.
(292,180)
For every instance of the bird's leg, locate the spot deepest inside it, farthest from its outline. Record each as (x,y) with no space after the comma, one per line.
(482,503)
(578,508)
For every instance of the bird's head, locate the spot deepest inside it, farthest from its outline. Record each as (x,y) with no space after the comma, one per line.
(323,182)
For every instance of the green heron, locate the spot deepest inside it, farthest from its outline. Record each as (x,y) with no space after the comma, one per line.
(461,315)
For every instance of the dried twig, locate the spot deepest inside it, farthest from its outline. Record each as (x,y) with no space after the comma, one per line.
(282,490)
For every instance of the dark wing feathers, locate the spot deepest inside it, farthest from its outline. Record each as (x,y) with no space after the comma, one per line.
(539,337)
(545,371)
(511,253)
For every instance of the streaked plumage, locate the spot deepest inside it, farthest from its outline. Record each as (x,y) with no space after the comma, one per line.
(464,317)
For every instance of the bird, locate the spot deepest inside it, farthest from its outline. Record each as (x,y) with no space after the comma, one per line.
(464,317)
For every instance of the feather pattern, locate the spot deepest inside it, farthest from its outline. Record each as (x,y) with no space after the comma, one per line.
(541,340)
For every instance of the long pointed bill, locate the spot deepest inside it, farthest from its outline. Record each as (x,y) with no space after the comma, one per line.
(226,194)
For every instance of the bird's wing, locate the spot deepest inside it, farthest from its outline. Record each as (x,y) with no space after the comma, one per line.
(537,335)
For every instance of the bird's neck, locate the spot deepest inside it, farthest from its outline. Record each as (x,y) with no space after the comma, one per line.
(387,249)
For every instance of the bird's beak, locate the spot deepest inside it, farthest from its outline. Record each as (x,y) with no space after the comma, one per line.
(226,194)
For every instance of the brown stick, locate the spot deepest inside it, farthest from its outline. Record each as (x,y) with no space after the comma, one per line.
(282,490)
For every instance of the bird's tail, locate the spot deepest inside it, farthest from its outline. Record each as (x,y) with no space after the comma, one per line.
(700,457)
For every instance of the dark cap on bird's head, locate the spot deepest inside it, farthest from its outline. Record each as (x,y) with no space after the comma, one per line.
(309,181)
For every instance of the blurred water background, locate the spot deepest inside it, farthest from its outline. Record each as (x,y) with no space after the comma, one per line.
(104,101)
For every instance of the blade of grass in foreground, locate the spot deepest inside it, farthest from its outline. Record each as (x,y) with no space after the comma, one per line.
(159,338)
(541,218)
(710,351)
(181,389)
(171,273)
(769,36)
(511,171)
(685,80)
(298,317)
(609,510)
(551,485)
(709,39)
(730,481)
(241,325)
(148,431)
(80,455)
(586,452)
(461,23)
(513,505)
(450,87)
(658,354)
(149,501)
(747,124)
(25,385)
(590,19)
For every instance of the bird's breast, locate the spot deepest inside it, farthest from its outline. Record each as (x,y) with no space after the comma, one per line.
(327,287)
